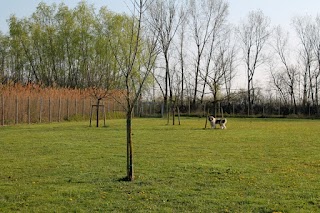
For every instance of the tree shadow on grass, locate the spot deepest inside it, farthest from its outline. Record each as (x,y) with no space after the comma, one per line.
(124,179)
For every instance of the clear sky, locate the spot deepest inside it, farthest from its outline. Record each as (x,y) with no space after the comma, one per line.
(280,11)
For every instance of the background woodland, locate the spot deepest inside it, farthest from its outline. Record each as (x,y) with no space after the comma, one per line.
(200,58)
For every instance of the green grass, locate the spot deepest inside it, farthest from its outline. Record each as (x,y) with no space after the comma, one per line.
(256,165)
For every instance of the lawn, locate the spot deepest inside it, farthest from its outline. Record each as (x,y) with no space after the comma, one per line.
(256,165)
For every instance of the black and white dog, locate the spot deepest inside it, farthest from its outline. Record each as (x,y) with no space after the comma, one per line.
(221,121)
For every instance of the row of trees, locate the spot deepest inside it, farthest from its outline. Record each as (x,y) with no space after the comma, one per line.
(296,76)
(59,46)
(199,52)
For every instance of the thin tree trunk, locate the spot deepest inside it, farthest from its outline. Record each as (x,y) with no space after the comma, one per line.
(97,112)
(130,176)
(2,113)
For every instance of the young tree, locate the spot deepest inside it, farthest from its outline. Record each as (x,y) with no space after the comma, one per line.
(253,34)
(136,57)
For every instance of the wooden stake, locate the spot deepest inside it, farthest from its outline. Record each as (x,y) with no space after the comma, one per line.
(2,120)
(29,109)
(205,126)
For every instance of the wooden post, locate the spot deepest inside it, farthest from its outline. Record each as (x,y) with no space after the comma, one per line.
(2,100)
(97,112)
(205,125)
(91,114)
(59,110)
(178,114)
(40,110)
(76,106)
(104,115)
(68,109)
(83,107)
(189,106)
(90,104)
(49,109)
(17,110)
(29,111)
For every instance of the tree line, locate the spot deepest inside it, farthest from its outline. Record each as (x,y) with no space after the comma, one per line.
(195,54)
(59,46)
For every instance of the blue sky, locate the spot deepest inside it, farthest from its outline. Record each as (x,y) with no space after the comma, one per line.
(280,11)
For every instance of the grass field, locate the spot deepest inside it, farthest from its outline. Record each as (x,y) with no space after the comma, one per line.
(256,165)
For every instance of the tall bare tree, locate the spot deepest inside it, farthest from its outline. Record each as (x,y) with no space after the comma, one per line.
(304,30)
(182,53)
(165,19)
(220,67)
(316,49)
(253,34)
(207,18)
(287,76)
(232,63)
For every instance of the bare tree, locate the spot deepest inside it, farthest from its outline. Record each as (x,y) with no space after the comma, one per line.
(182,55)
(207,18)
(287,77)
(136,59)
(165,19)
(219,68)
(232,63)
(253,34)
(303,27)
(316,49)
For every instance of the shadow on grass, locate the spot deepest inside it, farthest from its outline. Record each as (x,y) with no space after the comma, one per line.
(124,179)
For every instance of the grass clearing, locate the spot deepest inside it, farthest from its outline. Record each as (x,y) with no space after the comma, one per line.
(256,165)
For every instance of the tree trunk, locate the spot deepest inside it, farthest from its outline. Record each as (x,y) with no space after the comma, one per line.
(97,112)
(130,176)
(249,98)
